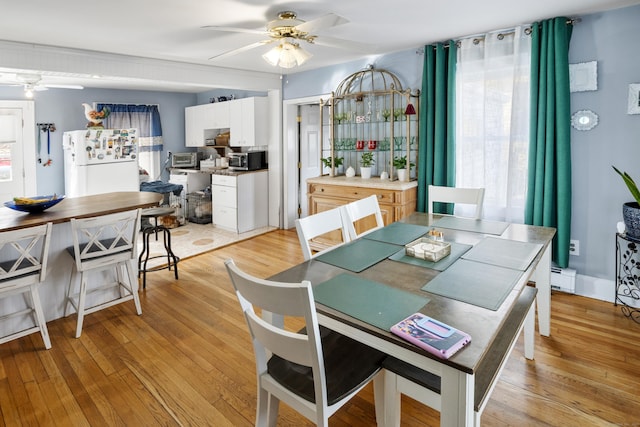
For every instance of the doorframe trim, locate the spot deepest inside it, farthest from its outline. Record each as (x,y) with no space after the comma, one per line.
(291,150)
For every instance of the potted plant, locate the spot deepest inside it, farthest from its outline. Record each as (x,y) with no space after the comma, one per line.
(631,210)
(366,161)
(400,163)
(337,162)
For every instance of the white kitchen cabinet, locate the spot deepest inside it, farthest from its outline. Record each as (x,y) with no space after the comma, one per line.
(202,122)
(240,202)
(248,122)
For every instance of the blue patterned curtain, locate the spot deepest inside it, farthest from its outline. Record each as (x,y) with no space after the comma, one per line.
(145,118)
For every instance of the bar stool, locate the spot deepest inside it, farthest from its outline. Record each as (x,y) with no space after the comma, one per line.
(24,267)
(102,243)
(172,259)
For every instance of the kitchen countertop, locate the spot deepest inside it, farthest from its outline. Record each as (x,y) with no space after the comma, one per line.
(216,171)
(357,181)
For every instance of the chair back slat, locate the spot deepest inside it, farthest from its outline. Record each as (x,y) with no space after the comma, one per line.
(317,225)
(25,252)
(361,209)
(470,196)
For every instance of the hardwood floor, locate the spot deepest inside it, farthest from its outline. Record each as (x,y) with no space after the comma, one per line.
(188,360)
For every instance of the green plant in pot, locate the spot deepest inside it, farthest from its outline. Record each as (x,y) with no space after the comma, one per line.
(366,162)
(337,162)
(631,210)
(400,163)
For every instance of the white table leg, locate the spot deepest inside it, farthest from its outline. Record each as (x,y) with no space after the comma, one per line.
(457,390)
(542,277)
(529,332)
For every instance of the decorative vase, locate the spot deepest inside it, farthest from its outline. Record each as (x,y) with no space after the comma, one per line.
(351,172)
(384,175)
(365,173)
(402,174)
(631,216)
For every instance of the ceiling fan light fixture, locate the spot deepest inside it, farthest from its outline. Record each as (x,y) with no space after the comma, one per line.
(287,55)
(28,90)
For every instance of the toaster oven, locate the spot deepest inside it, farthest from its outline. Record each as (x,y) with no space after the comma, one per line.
(184,160)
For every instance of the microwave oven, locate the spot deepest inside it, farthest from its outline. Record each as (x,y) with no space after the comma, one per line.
(184,160)
(248,161)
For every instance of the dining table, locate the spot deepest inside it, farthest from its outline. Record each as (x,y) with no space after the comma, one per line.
(365,286)
(60,264)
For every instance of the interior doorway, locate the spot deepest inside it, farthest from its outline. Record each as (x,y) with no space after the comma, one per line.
(17,149)
(309,149)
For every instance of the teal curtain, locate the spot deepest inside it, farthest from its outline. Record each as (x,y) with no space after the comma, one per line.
(549,183)
(436,155)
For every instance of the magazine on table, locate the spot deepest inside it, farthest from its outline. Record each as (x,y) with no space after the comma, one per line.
(432,335)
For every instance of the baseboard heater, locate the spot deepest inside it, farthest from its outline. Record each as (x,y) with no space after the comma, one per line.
(563,279)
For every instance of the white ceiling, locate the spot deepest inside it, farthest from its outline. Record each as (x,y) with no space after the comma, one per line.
(172,30)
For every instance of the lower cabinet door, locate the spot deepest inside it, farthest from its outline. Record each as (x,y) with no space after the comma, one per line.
(225,217)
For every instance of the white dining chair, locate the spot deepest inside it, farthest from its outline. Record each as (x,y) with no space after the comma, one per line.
(24,253)
(102,243)
(360,210)
(314,370)
(319,224)
(469,196)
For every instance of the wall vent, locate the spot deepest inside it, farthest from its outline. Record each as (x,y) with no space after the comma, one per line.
(563,279)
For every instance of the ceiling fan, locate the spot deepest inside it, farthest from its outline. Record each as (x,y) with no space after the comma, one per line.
(32,82)
(287,30)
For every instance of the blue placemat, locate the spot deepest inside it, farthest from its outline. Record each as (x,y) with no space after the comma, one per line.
(457,250)
(475,283)
(504,252)
(398,233)
(372,302)
(358,255)
(473,225)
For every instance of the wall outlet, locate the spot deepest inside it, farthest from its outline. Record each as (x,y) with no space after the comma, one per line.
(574,247)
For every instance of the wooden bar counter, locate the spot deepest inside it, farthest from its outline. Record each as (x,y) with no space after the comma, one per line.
(60,263)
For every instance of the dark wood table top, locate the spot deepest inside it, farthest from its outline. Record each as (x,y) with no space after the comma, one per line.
(482,324)
(79,207)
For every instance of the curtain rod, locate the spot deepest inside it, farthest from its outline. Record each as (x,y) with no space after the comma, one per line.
(501,36)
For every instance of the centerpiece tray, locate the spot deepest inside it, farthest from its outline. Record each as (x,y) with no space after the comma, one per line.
(428,249)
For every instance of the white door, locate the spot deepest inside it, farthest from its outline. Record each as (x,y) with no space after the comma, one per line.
(309,151)
(17,153)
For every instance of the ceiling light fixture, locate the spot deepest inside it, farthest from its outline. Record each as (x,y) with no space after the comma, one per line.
(28,90)
(287,55)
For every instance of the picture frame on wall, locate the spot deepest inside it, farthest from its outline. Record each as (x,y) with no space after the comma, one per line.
(634,99)
(583,76)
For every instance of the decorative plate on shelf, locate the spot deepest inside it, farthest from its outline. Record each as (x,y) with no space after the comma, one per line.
(34,204)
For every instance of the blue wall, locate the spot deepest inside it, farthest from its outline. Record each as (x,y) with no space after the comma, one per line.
(64,109)
(611,38)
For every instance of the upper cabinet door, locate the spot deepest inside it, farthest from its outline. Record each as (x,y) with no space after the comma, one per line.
(248,122)
(202,122)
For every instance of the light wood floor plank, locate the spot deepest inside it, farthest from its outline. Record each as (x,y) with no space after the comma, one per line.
(188,360)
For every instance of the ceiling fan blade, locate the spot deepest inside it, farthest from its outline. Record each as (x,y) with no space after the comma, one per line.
(365,48)
(55,86)
(234,29)
(327,21)
(242,49)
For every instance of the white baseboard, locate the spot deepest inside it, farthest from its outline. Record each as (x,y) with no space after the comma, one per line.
(594,287)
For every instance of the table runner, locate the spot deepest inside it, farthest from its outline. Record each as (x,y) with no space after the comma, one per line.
(475,283)
(398,233)
(473,225)
(358,255)
(457,250)
(372,302)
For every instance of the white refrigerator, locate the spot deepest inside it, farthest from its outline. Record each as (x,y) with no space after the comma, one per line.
(98,161)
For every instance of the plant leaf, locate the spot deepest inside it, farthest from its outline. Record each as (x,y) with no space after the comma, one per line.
(631,185)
